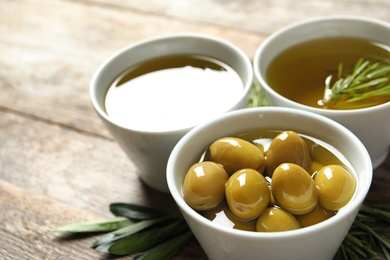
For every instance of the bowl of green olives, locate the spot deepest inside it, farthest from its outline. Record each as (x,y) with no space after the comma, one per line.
(269,183)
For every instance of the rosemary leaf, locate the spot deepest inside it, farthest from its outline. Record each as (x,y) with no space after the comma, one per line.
(354,240)
(136,212)
(105,225)
(351,254)
(360,74)
(385,207)
(257,96)
(380,72)
(374,93)
(382,211)
(167,250)
(361,252)
(360,69)
(385,242)
(366,85)
(385,251)
(341,253)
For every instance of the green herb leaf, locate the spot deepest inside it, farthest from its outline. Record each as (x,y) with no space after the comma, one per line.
(167,250)
(257,97)
(145,240)
(126,231)
(382,212)
(135,212)
(105,225)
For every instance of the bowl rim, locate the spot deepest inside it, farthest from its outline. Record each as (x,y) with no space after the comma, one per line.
(304,22)
(343,214)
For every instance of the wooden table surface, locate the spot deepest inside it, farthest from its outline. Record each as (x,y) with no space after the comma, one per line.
(58,163)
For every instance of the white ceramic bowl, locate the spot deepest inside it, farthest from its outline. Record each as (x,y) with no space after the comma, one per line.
(149,149)
(320,241)
(371,125)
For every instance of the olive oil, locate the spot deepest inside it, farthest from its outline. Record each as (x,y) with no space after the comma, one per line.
(299,73)
(172,92)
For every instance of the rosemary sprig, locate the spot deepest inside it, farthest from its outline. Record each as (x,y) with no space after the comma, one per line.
(369,236)
(257,96)
(367,81)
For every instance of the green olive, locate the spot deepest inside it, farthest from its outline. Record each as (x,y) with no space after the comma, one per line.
(204,185)
(236,154)
(247,194)
(221,215)
(336,186)
(317,215)
(288,147)
(272,201)
(294,189)
(275,219)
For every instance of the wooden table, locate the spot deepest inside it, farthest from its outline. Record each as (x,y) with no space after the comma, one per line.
(58,163)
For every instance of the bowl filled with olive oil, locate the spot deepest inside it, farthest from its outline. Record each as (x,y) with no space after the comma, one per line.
(336,66)
(269,183)
(151,92)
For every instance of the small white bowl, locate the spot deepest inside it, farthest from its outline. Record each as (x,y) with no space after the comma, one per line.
(149,149)
(372,124)
(320,241)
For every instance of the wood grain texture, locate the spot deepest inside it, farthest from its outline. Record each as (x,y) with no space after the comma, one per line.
(26,218)
(263,17)
(58,163)
(58,46)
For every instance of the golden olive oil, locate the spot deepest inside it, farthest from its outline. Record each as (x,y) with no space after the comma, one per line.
(299,72)
(172,92)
